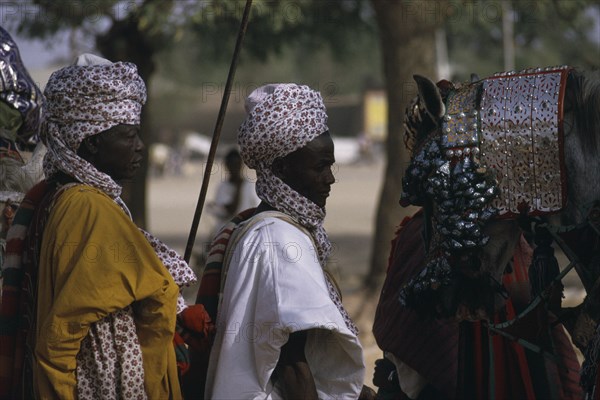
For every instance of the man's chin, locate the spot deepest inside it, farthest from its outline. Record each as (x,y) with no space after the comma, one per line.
(128,177)
(132,172)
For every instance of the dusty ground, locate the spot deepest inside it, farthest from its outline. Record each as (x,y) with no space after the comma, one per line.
(350,216)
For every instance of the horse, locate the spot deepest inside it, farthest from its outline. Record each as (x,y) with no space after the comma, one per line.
(500,163)
(485,158)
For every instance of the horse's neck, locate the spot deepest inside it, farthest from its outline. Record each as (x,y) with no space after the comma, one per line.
(583,174)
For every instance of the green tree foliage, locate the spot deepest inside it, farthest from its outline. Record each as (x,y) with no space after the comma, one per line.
(308,41)
(558,32)
(314,24)
(546,32)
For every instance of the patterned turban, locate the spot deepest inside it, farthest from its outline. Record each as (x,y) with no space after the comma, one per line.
(21,107)
(83,100)
(283,118)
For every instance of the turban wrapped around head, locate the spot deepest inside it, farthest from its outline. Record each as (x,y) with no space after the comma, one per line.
(21,107)
(283,118)
(83,100)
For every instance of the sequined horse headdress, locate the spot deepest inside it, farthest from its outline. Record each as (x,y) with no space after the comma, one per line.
(496,151)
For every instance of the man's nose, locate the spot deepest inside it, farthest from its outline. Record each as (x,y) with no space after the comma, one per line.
(139,144)
(330,178)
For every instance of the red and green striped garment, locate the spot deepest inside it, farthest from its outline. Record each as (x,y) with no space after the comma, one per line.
(17,310)
(209,293)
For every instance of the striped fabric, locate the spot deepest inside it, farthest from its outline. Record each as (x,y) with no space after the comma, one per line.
(210,289)
(18,294)
(209,293)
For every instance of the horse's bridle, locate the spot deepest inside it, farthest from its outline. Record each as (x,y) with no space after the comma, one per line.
(557,232)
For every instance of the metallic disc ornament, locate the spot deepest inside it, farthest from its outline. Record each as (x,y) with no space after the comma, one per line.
(18,90)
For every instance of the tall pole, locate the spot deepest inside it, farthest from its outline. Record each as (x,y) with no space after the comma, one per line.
(508,40)
(442,65)
(217,133)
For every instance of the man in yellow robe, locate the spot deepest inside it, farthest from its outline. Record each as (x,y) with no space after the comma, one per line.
(107,292)
(103,270)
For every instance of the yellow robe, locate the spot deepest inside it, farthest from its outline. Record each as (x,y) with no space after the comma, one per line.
(94,261)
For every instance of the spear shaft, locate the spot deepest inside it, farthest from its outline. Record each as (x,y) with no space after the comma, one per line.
(217,133)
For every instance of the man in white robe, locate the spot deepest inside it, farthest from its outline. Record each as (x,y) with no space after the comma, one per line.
(282,331)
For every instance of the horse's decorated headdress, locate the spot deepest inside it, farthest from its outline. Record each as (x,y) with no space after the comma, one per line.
(483,149)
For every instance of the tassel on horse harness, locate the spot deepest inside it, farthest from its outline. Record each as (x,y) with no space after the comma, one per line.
(544,267)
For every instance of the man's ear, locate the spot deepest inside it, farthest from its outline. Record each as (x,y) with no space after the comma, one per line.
(90,145)
(279,168)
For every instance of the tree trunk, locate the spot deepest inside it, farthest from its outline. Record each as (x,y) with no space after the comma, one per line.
(407,34)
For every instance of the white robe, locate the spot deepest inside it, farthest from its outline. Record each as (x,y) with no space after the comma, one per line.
(275,286)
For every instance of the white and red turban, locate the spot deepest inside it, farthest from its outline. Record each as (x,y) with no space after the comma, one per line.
(283,118)
(83,100)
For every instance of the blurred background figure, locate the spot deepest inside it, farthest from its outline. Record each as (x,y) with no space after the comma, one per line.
(365,148)
(235,193)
